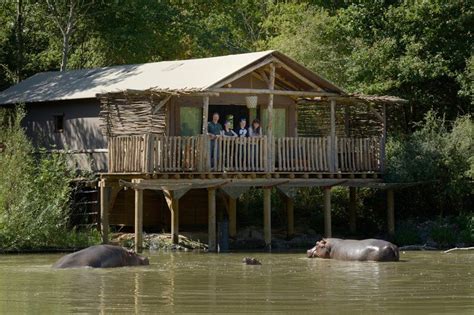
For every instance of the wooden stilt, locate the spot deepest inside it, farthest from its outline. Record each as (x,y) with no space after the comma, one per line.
(267,219)
(138,220)
(212,237)
(175,222)
(352,209)
(232,211)
(291,216)
(391,212)
(173,204)
(327,212)
(104,211)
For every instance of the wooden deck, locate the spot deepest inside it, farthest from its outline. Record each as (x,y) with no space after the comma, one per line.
(155,154)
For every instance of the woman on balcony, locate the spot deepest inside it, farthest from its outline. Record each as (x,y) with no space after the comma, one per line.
(227,132)
(255,130)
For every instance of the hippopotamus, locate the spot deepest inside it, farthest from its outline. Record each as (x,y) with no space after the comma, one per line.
(251,261)
(363,250)
(101,256)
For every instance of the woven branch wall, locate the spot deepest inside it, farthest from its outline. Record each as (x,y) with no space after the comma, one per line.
(314,120)
(122,114)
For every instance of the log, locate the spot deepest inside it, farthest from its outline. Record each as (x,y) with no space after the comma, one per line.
(455,249)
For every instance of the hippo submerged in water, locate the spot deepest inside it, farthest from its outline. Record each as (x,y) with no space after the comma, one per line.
(363,250)
(101,256)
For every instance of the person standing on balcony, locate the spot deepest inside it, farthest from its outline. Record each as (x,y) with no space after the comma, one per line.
(255,130)
(227,132)
(214,129)
(242,132)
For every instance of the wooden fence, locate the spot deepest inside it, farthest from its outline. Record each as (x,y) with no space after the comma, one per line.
(153,153)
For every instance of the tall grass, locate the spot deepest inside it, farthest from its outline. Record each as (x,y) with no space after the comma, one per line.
(34,193)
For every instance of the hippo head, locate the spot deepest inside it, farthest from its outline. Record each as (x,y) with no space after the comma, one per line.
(321,250)
(136,260)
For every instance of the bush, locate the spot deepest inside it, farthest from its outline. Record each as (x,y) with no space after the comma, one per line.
(34,193)
(440,155)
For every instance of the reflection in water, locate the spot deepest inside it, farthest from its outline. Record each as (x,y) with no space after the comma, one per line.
(190,282)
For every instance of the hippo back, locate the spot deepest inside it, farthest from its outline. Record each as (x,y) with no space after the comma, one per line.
(101,256)
(362,250)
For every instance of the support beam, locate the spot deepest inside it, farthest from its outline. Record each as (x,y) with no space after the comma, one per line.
(290,212)
(274,92)
(212,236)
(271,87)
(173,204)
(384,139)
(267,218)
(333,154)
(104,211)
(232,212)
(327,212)
(352,209)
(391,212)
(138,220)
(205,113)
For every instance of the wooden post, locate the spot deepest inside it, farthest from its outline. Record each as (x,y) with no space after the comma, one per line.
(384,139)
(290,211)
(352,209)
(232,217)
(271,87)
(333,165)
(212,237)
(205,113)
(138,220)
(173,205)
(267,218)
(391,212)
(104,211)
(175,221)
(327,212)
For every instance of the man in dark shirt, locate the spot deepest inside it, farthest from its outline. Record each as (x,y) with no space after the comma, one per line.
(214,128)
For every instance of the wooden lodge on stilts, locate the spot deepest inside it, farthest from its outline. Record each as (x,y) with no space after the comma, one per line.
(154,119)
(158,140)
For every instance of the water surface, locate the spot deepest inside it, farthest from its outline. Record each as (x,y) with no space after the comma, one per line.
(423,282)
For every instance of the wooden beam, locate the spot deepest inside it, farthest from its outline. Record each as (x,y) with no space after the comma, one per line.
(384,139)
(296,74)
(352,209)
(242,73)
(268,91)
(327,212)
(138,220)
(212,235)
(333,153)
(205,114)
(173,205)
(232,212)
(391,212)
(157,107)
(267,217)
(290,212)
(234,192)
(104,211)
(271,86)
(288,191)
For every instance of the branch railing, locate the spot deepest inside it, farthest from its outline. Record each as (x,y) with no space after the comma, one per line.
(152,153)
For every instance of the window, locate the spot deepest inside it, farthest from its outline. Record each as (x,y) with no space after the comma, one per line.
(279,121)
(190,120)
(58,120)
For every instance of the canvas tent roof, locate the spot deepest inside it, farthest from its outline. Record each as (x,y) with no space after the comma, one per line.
(192,74)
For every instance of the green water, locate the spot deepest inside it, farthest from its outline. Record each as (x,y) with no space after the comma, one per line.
(424,282)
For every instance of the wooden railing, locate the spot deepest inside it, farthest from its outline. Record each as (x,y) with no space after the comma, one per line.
(358,154)
(153,153)
(231,154)
(302,154)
